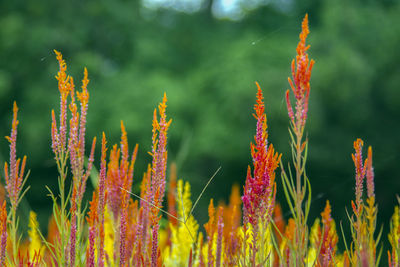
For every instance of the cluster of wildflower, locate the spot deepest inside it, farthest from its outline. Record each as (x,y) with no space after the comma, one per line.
(123,228)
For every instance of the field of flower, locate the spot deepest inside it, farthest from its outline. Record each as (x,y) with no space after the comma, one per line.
(156,226)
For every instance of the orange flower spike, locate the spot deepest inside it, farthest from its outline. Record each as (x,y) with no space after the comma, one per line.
(279,222)
(234,198)
(83,96)
(72,105)
(302,73)
(91,217)
(290,229)
(209,226)
(63,66)
(62,78)
(155,129)
(145,185)
(300,85)
(129,176)
(65,86)
(326,214)
(124,143)
(161,107)
(261,118)
(329,238)
(113,183)
(259,106)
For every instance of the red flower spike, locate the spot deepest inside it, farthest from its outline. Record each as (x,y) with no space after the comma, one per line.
(259,188)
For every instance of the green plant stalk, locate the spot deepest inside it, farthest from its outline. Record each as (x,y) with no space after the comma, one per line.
(15,240)
(78,230)
(61,166)
(298,201)
(254,250)
(262,242)
(14,233)
(300,248)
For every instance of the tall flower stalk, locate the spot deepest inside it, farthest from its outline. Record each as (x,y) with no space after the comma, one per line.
(76,146)
(15,181)
(295,191)
(260,188)
(61,154)
(70,147)
(159,168)
(118,182)
(102,201)
(363,223)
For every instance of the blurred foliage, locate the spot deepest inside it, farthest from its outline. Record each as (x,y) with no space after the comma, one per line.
(208,66)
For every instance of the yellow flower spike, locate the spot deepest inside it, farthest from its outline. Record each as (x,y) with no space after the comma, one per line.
(83,96)
(35,245)
(109,236)
(394,235)
(183,236)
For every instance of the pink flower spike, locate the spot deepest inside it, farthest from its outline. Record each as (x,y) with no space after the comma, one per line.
(3,233)
(219,236)
(360,171)
(88,170)
(370,174)
(83,98)
(55,141)
(102,199)
(14,171)
(289,106)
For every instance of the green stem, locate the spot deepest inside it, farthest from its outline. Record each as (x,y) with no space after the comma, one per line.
(14,232)
(299,200)
(61,166)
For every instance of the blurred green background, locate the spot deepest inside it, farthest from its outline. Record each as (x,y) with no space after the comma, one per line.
(206,55)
